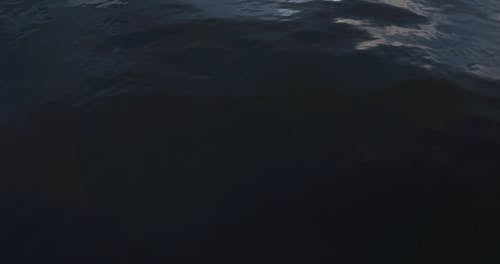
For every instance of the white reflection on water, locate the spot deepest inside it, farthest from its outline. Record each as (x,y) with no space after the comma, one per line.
(392,35)
(460,34)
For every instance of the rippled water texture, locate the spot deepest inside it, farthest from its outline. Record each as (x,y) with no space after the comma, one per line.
(249,131)
(82,49)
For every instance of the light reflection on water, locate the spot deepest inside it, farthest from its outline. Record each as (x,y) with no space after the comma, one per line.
(460,35)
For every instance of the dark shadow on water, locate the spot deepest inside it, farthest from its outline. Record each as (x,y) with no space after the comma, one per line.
(313,177)
(383,13)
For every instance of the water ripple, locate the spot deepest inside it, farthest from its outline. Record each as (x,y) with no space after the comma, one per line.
(106,43)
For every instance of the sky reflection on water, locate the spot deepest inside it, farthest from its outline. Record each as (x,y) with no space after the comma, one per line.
(459,34)
(69,39)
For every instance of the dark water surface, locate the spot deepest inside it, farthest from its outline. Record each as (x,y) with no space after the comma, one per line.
(194,131)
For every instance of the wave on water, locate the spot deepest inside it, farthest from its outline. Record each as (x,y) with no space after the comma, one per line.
(448,38)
